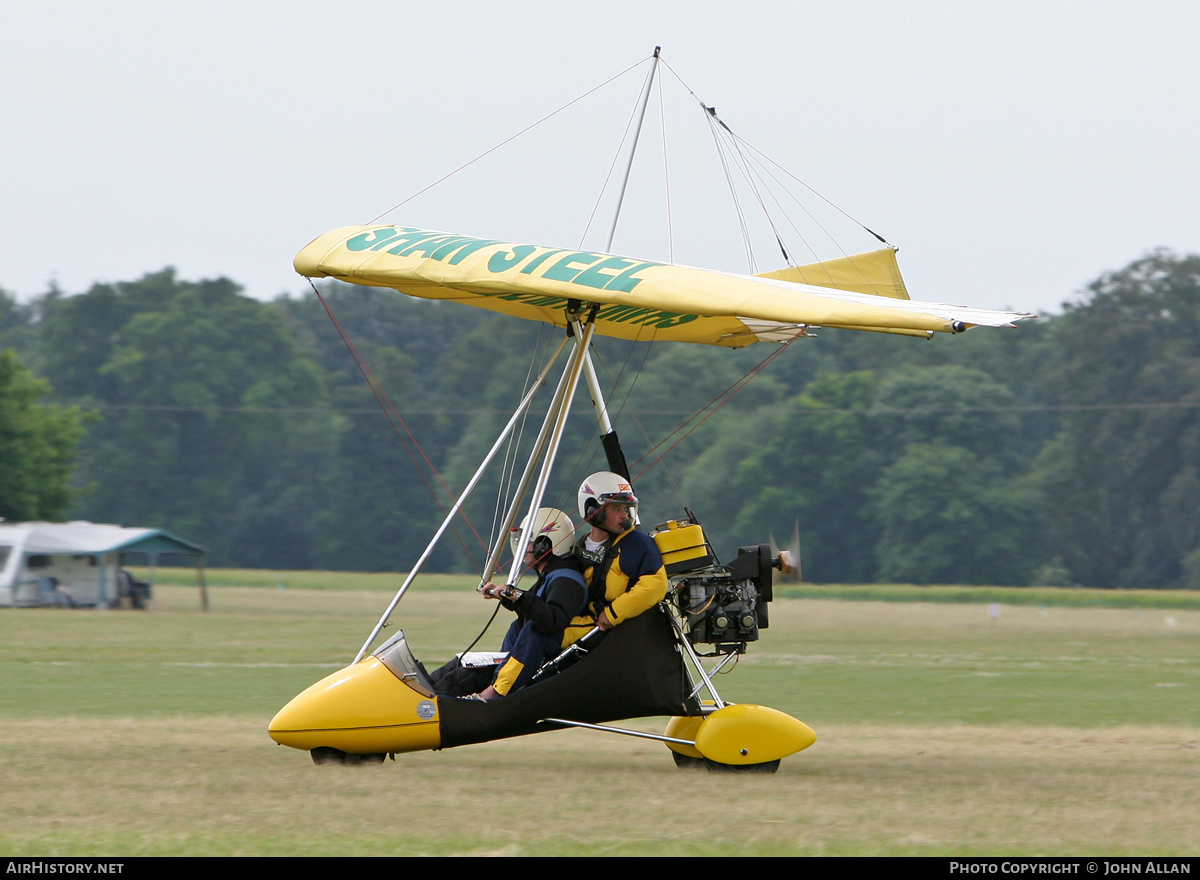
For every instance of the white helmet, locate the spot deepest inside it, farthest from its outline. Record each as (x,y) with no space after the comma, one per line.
(604,488)
(553,532)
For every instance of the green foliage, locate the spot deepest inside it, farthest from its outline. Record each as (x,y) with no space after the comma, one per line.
(946,516)
(810,460)
(37,446)
(185,377)
(953,405)
(1119,479)
(946,507)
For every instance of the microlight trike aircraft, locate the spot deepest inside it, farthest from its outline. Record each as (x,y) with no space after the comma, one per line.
(653,664)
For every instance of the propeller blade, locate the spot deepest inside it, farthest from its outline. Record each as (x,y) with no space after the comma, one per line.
(788,561)
(795,548)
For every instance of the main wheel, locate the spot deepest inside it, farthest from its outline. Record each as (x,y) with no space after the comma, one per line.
(718,767)
(686,762)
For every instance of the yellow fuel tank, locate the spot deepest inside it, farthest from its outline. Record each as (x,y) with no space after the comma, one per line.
(683,545)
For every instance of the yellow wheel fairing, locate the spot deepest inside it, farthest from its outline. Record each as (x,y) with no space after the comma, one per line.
(684,727)
(749,734)
(364,709)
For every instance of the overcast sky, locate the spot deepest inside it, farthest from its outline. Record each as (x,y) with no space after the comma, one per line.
(1013,150)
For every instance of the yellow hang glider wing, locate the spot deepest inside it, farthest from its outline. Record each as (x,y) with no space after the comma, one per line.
(636,299)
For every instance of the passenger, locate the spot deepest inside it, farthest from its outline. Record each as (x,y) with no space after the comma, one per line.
(544,610)
(623,566)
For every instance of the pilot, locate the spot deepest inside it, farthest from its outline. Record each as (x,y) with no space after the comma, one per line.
(623,566)
(543,611)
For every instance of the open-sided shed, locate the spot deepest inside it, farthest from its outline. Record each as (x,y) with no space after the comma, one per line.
(79,563)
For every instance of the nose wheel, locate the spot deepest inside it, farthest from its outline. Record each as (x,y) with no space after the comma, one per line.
(326,755)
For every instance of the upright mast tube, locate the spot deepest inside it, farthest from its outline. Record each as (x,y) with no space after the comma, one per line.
(535,455)
(633,149)
(613,453)
(597,396)
(581,351)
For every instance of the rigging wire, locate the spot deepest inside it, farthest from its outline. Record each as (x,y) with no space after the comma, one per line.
(612,166)
(707,410)
(712,406)
(641,427)
(512,447)
(394,417)
(831,204)
(505,141)
(763,168)
(740,147)
(662,118)
(737,205)
(714,125)
(507,473)
(645,101)
(576,472)
(742,166)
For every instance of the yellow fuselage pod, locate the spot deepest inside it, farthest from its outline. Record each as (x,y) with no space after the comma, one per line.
(741,734)
(364,709)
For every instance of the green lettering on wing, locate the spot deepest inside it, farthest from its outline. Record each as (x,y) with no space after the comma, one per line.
(504,260)
(571,265)
(379,236)
(670,319)
(616,313)
(431,247)
(528,268)
(583,268)
(533,299)
(402,242)
(462,251)
(628,279)
(600,274)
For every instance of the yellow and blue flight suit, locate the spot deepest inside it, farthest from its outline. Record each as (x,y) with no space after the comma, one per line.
(635,580)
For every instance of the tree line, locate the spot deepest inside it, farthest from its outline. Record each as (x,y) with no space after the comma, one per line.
(1065,451)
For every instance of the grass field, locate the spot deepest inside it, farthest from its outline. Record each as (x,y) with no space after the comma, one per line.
(941,730)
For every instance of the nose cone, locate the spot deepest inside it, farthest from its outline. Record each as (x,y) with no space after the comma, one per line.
(365,709)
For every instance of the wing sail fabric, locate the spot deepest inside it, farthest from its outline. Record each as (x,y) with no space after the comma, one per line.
(636,299)
(875,272)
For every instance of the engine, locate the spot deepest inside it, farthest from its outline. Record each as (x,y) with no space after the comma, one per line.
(723,606)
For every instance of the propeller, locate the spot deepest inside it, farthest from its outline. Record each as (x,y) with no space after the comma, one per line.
(788,561)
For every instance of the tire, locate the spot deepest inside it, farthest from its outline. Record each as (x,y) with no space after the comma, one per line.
(327,755)
(718,767)
(685,762)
